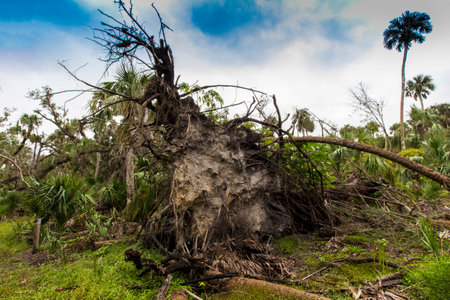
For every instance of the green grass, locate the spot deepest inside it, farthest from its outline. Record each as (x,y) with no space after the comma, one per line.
(431,280)
(100,274)
(103,274)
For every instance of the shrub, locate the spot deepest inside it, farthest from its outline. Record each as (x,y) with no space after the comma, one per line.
(114,195)
(10,202)
(59,199)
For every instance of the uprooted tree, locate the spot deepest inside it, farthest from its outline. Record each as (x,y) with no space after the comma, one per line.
(226,185)
(224,182)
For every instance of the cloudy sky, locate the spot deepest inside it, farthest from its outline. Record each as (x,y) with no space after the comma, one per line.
(309,53)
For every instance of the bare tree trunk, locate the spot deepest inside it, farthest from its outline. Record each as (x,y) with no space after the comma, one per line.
(129,176)
(433,175)
(402,101)
(387,141)
(97,165)
(37,232)
(421,101)
(36,157)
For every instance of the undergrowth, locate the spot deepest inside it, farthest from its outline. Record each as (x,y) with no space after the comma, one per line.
(100,274)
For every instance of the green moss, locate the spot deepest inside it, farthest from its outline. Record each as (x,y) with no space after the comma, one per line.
(352,250)
(431,281)
(356,239)
(288,245)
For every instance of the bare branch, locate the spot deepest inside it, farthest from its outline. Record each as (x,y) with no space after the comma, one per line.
(17,166)
(221,85)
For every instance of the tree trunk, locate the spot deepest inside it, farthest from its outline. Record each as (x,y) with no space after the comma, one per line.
(402,101)
(129,174)
(36,234)
(387,141)
(97,165)
(421,101)
(433,175)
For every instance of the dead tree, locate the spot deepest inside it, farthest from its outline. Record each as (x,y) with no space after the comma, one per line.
(372,110)
(225,184)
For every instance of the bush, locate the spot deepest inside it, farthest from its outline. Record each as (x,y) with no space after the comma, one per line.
(59,199)
(114,195)
(11,202)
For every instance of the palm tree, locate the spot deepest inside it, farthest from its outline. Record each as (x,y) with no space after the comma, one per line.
(402,31)
(127,82)
(419,88)
(421,120)
(302,121)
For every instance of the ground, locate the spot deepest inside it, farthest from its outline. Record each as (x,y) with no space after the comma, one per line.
(317,262)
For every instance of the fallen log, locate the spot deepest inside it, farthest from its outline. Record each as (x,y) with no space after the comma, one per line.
(100,244)
(281,290)
(162,293)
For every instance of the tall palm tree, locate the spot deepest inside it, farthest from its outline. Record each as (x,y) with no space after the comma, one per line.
(420,87)
(402,31)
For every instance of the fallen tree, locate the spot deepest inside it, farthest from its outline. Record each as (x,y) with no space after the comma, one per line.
(226,186)
(228,191)
(394,157)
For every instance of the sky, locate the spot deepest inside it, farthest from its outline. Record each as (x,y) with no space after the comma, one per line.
(308,53)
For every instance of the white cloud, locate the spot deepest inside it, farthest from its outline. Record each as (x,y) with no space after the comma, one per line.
(296,64)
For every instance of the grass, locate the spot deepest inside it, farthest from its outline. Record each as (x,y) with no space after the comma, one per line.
(103,274)
(431,280)
(100,274)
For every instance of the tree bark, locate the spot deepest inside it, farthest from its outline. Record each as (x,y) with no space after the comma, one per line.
(422,170)
(402,101)
(97,165)
(421,101)
(129,176)
(36,234)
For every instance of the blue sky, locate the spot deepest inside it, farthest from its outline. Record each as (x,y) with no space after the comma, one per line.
(307,52)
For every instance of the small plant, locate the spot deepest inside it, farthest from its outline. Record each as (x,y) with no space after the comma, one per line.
(99,224)
(54,243)
(10,202)
(22,228)
(380,252)
(114,195)
(431,237)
